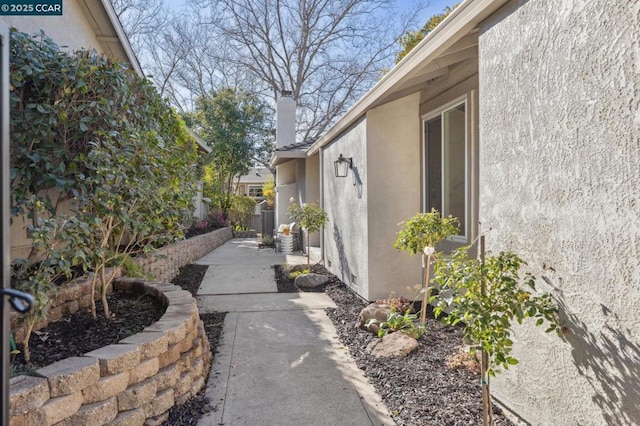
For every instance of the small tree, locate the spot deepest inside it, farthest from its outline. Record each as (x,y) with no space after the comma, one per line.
(269,192)
(421,234)
(487,296)
(310,217)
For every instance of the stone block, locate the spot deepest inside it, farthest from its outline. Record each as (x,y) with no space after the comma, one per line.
(106,387)
(32,418)
(167,377)
(97,413)
(62,407)
(157,420)
(55,314)
(71,307)
(185,361)
(70,375)
(183,385)
(26,394)
(150,344)
(134,417)
(162,402)
(197,367)
(115,359)
(171,356)
(175,329)
(144,370)
(84,301)
(197,384)
(19,334)
(197,347)
(137,395)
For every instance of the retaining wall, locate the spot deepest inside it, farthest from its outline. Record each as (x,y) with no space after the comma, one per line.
(137,380)
(133,382)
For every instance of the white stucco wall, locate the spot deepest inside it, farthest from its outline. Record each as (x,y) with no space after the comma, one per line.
(345,236)
(70,29)
(286,187)
(394,194)
(559,184)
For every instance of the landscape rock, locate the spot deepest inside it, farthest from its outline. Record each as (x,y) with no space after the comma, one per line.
(373,311)
(311,280)
(394,345)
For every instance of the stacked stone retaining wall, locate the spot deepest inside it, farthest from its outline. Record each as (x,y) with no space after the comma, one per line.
(133,382)
(163,264)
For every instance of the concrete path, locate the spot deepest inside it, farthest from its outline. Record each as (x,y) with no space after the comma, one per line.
(279,361)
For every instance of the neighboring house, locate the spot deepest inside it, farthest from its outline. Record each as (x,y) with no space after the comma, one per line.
(200,204)
(297,175)
(88,24)
(522,118)
(251,183)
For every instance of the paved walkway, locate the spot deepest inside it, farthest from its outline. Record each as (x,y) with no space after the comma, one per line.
(279,361)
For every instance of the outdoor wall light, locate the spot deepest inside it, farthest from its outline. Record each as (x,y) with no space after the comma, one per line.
(342,166)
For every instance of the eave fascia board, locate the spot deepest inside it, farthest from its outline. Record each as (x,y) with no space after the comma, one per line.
(458,24)
(123,40)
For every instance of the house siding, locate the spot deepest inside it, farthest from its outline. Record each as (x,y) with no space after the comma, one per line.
(559,172)
(346,235)
(71,29)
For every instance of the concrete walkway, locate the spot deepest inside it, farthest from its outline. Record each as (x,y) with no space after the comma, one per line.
(279,361)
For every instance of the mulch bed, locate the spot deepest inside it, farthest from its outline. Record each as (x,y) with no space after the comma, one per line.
(80,333)
(419,389)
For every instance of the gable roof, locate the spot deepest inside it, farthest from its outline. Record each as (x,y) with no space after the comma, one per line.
(108,29)
(448,43)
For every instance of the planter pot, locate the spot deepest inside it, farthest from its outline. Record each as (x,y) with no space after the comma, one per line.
(286,244)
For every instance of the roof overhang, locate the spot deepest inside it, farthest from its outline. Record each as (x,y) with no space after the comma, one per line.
(280,157)
(108,30)
(450,42)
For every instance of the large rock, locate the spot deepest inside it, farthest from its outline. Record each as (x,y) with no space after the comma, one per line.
(393,345)
(311,280)
(373,311)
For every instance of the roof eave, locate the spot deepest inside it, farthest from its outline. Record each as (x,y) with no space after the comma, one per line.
(460,22)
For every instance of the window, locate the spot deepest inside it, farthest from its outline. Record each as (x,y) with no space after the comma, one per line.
(255,191)
(445,164)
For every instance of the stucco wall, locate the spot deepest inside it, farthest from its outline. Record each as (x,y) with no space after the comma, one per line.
(394,195)
(345,236)
(70,29)
(312,189)
(559,173)
(286,187)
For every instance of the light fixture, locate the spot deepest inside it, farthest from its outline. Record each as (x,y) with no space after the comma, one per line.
(342,166)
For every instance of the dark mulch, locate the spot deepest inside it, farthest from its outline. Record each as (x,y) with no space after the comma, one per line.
(80,333)
(195,231)
(419,389)
(190,412)
(189,277)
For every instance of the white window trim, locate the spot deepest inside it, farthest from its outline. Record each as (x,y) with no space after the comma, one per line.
(438,113)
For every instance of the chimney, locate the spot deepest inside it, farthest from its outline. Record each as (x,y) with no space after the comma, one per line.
(285,120)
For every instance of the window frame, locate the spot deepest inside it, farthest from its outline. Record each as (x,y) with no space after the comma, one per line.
(439,112)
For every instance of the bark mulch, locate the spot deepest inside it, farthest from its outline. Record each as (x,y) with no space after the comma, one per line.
(419,389)
(80,333)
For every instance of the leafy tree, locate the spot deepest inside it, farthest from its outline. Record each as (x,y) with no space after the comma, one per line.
(89,130)
(487,296)
(421,234)
(310,217)
(410,39)
(269,191)
(233,122)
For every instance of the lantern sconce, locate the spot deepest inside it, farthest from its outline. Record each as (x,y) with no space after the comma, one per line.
(342,166)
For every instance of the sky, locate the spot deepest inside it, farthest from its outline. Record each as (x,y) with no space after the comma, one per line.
(434,6)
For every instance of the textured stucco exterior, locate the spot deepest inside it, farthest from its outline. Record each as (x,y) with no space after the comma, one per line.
(346,233)
(559,185)
(71,29)
(393,161)
(365,208)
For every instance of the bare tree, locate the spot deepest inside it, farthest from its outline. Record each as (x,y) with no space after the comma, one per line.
(327,52)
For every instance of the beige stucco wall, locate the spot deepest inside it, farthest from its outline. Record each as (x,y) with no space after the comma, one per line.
(559,174)
(312,189)
(70,29)
(394,194)
(286,188)
(346,235)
